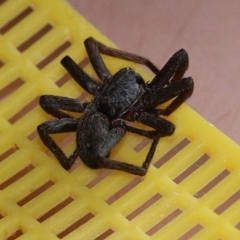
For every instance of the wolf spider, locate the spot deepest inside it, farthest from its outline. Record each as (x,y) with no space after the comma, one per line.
(118,98)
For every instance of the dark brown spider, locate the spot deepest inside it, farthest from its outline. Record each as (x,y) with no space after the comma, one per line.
(121,97)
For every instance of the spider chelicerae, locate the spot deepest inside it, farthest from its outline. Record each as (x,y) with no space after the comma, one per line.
(118,99)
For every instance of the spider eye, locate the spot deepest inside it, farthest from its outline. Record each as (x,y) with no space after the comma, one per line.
(90,147)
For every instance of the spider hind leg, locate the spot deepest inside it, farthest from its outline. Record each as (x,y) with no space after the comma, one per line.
(55,104)
(162,128)
(58,126)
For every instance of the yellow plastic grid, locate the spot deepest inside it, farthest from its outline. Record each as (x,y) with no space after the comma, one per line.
(190,192)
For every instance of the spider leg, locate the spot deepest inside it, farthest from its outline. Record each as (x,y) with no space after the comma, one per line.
(172,71)
(180,90)
(163,128)
(130,168)
(111,140)
(54,104)
(95,49)
(82,78)
(146,133)
(59,126)
(122,166)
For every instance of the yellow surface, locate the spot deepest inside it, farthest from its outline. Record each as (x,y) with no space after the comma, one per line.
(190,192)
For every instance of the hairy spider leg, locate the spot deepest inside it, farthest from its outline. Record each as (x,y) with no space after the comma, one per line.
(179,90)
(109,163)
(58,126)
(95,49)
(172,71)
(168,83)
(83,79)
(163,128)
(146,133)
(122,166)
(54,104)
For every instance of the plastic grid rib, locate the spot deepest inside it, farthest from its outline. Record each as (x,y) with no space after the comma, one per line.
(190,192)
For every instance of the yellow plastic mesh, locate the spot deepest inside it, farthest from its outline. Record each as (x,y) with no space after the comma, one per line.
(190,192)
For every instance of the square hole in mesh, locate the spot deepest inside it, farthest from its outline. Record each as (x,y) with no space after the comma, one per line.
(83,220)
(22,112)
(144,206)
(36,193)
(15,20)
(33,135)
(163,222)
(191,169)
(237,226)
(1,63)
(54,54)
(14,235)
(8,152)
(11,228)
(124,190)
(100,177)
(55,209)
(2,2)
(214,182)
(191,232)
(66,142)
(228,202)
(181,145)
(21,173)
(105,234)
(142,144)
(34,38)
(10,88)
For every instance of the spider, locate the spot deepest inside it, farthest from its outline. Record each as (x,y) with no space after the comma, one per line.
(118,99)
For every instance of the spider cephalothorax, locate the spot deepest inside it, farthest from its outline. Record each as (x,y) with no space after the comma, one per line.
(119,98)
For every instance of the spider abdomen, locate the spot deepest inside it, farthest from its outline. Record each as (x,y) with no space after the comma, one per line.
(96,127)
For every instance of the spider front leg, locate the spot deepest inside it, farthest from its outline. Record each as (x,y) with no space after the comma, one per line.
(172,71)
(54,105)
(82,78)
(168,83)
(59,126)
(95,48)
(180,90)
